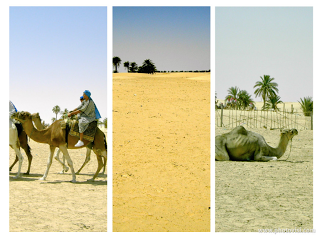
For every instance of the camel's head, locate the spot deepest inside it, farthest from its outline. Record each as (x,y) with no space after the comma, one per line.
(35,117)
(290,133)
(21,116)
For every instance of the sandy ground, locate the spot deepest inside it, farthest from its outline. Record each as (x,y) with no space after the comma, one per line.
(161,152)
(57,204)
(266,195)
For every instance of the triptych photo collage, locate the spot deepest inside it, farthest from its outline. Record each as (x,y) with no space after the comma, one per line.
(161,119)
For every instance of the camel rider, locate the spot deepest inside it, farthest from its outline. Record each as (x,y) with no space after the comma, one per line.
(88,113)
(12,109)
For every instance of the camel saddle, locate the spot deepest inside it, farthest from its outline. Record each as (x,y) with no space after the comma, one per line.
(72,126)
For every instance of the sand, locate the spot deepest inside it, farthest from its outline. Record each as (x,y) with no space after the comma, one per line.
(266,195)
(56,204)
(161,152)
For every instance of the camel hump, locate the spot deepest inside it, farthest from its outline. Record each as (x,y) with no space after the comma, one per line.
(240,130)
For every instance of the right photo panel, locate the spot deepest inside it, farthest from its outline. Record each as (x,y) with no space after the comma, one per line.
(264,119)
(161,119)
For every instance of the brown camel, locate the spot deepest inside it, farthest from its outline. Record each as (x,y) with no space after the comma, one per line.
(37,122)
(243,145)
(55,136)
(23,139)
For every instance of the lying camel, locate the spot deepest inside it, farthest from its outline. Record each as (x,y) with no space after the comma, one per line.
(37,122)
(243,145)
(55,136)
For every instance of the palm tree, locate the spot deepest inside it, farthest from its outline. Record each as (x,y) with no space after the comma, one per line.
(307,105)
(116,63)
(244,99)
(233,92)
(56,110)
(133,67)
(265,88)
(232,96)
(273,102)
(147,67)
(64,113)
(126,65)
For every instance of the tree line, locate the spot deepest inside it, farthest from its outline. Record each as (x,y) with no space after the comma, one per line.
(146,67)
(267,88)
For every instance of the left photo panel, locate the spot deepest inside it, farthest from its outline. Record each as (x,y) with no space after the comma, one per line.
(58,119)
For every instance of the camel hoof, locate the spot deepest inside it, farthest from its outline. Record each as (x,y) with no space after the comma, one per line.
(66,169)
(77,173)
(90,180)
(17,177)
(73,181)
(61,172)
(42,178)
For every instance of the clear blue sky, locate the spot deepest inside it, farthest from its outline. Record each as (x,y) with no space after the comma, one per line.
(254,41)
(55,54)
(174,38)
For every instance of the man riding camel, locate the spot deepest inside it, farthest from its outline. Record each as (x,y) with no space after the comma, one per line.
(88,112)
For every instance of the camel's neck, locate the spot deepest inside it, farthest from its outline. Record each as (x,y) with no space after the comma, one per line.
(38,124)
(33,133)
(282,146)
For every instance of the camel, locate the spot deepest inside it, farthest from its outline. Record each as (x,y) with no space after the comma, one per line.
(37,122)
(55,136)
(242,145)
(15,144)
(17,139)
(23,143)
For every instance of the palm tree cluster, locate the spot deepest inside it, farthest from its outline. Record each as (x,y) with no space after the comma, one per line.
(267,89)
(238,99)
(147,66)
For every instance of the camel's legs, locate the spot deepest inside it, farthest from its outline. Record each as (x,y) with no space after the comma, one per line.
(48,163)
(24,145)
(64,150)
(266,158)
(100,165)
(64,167)
(29,155)
(86,160)
(104,154)
(14,162)
(104,165)
(20,158)
(29,161)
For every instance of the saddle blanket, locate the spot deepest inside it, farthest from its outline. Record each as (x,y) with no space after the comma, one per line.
(88,134)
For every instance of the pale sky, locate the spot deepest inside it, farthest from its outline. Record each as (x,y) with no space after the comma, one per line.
(174,38)
(254,41)
(55,54)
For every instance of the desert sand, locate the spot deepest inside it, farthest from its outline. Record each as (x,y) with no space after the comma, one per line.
(161,152)
(266,195)
(56,204)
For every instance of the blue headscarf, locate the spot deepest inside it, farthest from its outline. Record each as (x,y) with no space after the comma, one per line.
(14,106)
(87,92)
